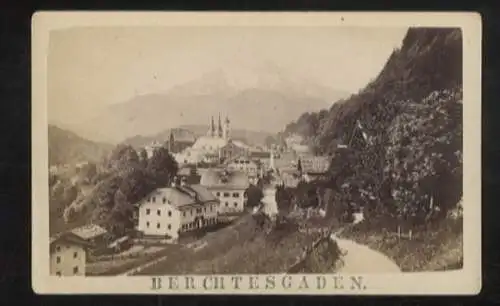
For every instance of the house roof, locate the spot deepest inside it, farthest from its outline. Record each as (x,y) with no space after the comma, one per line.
(209,142)
(68,238)
(89,231)
(180,196)
(257,154)
(184,171)
(217,178)
(240,144)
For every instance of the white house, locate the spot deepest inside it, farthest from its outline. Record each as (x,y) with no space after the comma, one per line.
(170,211)
(228,187)
(68,254)
(243,164)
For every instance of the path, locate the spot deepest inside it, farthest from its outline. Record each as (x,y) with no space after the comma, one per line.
(362,259)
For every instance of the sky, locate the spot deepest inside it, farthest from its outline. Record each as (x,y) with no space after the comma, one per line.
(92,68)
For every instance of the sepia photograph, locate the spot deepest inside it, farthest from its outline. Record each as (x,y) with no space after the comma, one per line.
(302,154)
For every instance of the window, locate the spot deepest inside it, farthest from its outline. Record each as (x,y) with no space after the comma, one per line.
(235,204)
(58,248)
(169,226)
(75,270)
(235,194)
(158,225)
(169,213)
(154,199)
(158,212)
(192,213)
(147,224)
(204,209)
(148,211)
(227,204)
(164,200)
(183,213)
(58,259)
(58,273)
(218,194)
(198,210)
(226,194)
(75,254)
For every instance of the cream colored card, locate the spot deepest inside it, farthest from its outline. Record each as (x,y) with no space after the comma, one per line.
(251,98)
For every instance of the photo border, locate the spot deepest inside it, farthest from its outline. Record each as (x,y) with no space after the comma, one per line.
(466,281)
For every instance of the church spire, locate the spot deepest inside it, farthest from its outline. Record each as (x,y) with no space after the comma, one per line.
(225,132)
(219,128)
(171,141)
(211,129)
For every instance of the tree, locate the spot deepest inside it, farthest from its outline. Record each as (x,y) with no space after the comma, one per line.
(162,167)
(424,156)
(254,196)
(122,159)
(143,157)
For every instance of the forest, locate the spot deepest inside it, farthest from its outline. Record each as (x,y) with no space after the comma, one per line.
(409,166)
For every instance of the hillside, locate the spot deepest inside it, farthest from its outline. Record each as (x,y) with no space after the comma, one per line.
(407,169)
(429,60)
(66,147)
(180,135)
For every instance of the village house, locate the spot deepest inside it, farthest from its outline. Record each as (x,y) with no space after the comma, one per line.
(94,234)
(228,187)
(170,211)
(314,166)
(243,164)
(232,149)
(68,254)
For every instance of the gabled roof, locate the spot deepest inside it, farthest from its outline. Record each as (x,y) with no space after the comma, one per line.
(68,238)
(180,196)
(89,231)
(216,178)
(257,154)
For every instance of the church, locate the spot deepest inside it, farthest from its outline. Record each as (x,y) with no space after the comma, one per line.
(216,138)
(215,146)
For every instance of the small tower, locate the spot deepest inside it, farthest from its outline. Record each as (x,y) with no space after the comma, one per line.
(271,160)
(171,142)
(220,133)
(211,128)
(226,131)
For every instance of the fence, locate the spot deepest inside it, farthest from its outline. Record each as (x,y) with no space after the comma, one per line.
(400,234)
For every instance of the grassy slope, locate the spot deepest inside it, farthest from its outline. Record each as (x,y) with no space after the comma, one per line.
(437,247)
(240,248)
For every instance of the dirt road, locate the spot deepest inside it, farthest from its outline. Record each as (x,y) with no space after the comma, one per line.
(362,259)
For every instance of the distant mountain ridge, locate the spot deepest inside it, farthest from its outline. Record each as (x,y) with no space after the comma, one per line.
(66,147)
(264,105)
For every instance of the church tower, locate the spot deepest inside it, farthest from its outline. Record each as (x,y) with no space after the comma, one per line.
(220,133)
(171,142)
(211,129)
(226,130)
